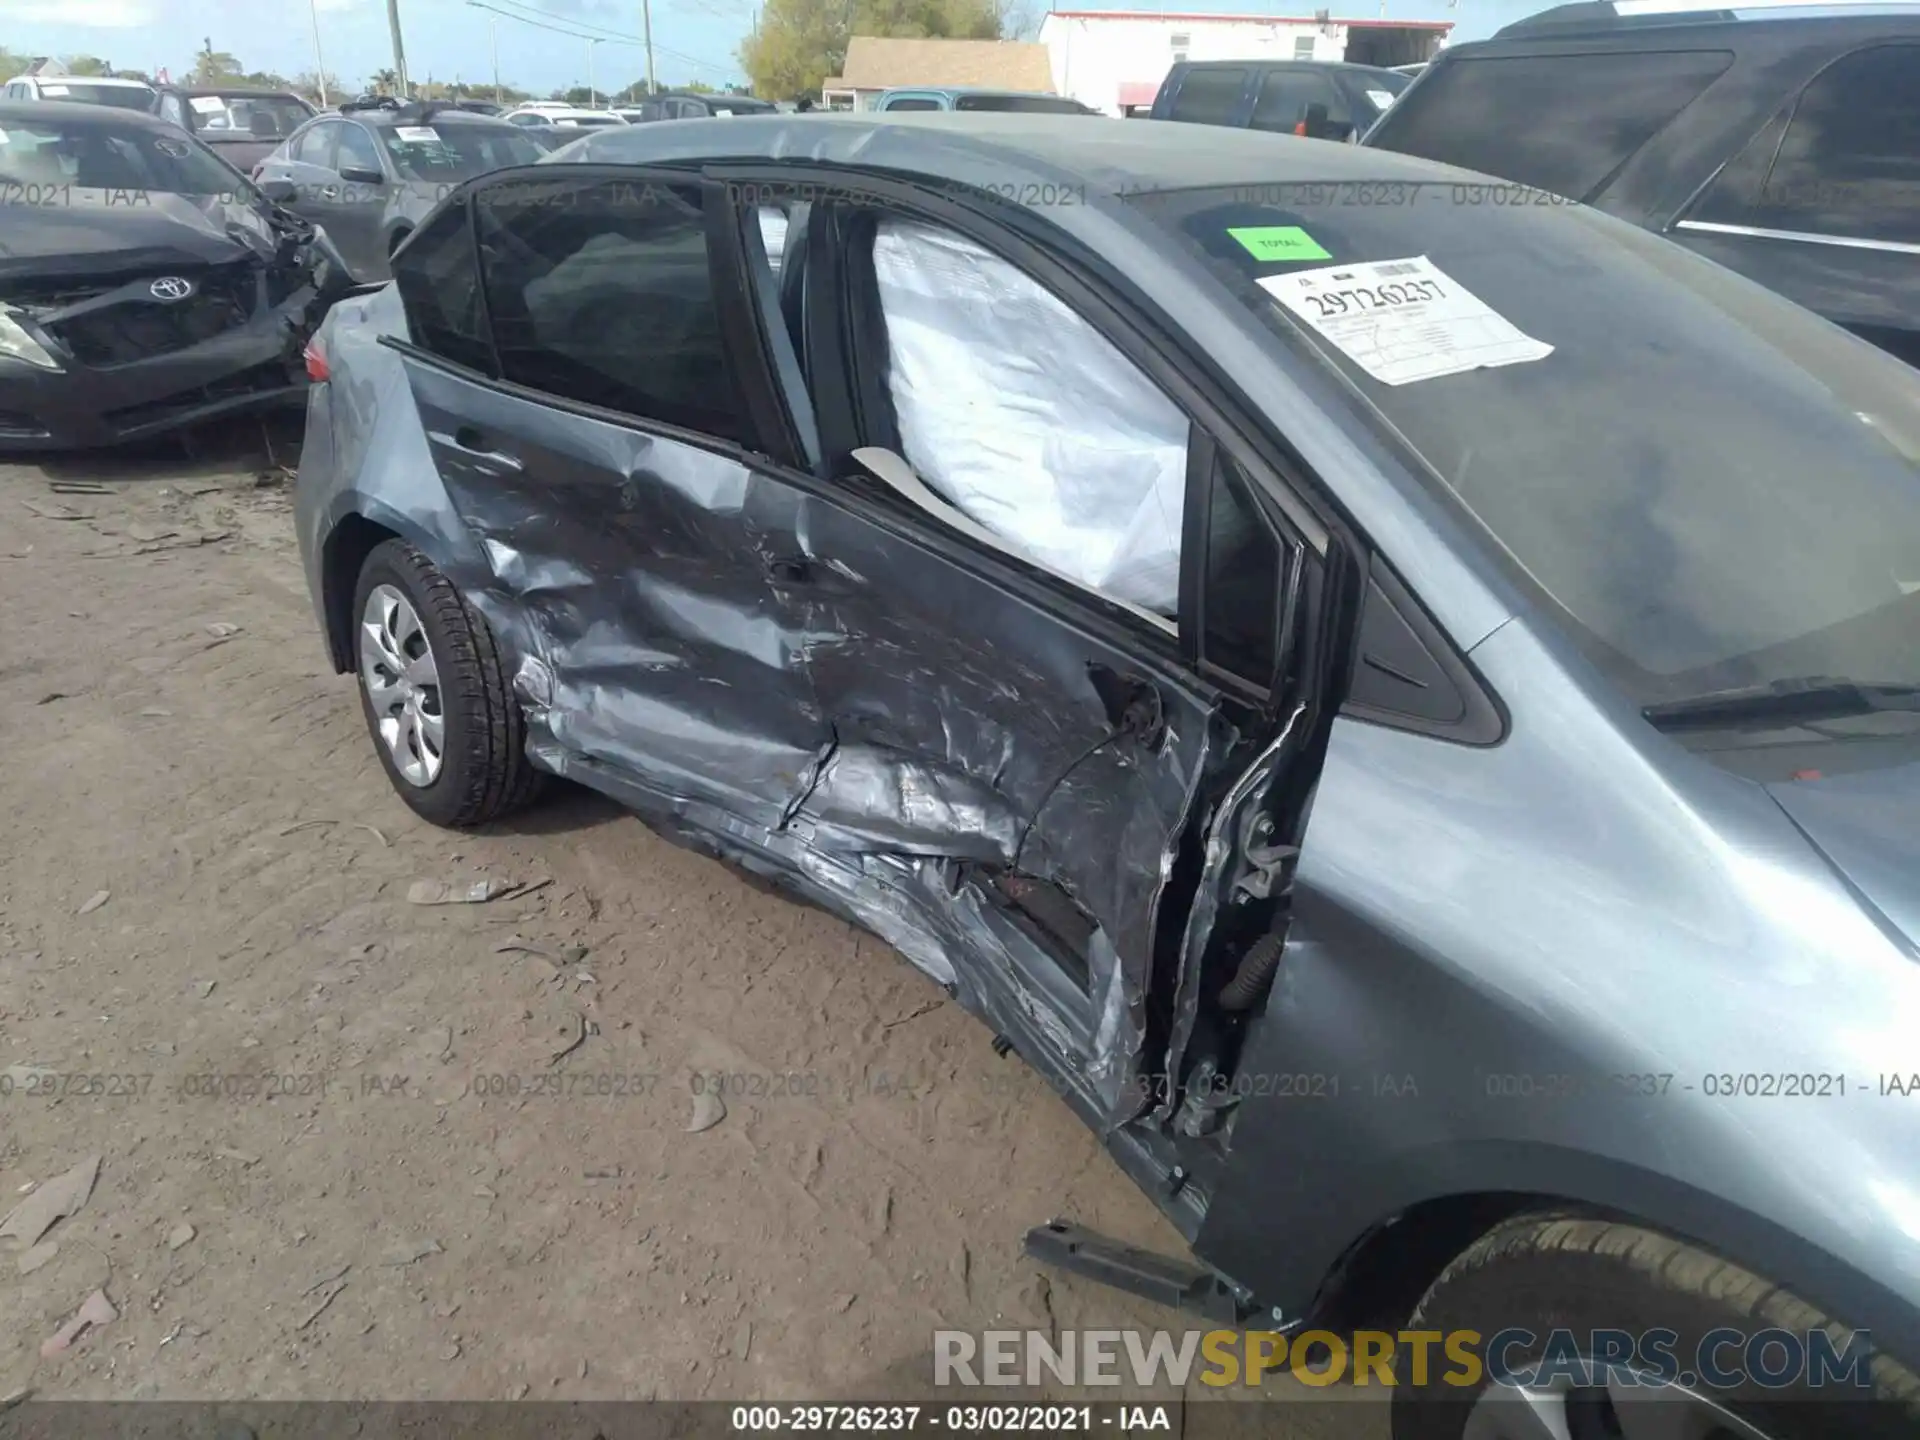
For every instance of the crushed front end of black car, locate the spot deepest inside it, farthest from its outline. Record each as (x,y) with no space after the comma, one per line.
(134,315)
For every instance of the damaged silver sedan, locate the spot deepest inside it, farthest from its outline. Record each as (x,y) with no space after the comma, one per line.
(1402,705)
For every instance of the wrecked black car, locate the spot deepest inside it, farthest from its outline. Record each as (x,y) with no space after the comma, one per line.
(1316,659)
(144,285)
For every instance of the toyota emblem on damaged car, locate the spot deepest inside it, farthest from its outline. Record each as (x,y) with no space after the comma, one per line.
(171,288)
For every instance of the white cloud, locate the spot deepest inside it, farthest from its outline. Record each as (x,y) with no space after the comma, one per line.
(91,14)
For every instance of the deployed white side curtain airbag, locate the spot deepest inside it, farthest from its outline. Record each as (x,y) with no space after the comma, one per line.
(1024,417)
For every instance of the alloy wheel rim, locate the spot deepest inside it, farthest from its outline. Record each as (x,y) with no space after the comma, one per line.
(1619,1410)
(402,682)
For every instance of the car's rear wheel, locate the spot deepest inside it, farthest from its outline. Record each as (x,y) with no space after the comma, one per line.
(1572,1282)
(437,700)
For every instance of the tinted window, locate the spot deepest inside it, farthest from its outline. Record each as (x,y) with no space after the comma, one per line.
(1707,484)
(1209,97)
(1241,603)
(600,291)
(1562,122)
(357,150)
(439,285)
(315,146)
(456,151)
(1850,163)
(1285,95)
(909,102)
(121,97)
(263,117)
(1024,104)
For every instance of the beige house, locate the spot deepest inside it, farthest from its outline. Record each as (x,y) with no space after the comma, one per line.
(876,63)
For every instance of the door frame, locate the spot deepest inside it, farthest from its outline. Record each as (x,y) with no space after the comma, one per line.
(1278,484)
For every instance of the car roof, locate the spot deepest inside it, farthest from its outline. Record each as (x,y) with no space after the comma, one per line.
(432,113)
(247,92)
(1107,154)
(79,112)
(86,80)
(1275,62)
(1658,20)
(966,90)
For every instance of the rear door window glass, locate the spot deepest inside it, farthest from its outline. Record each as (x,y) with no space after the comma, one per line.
(1208,96)
(1849,165)
(315,146)
(600,291)
(357,151)
(1563,123)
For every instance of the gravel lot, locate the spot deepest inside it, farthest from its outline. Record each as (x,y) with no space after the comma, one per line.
(338,1155)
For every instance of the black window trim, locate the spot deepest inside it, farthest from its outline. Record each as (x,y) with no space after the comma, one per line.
(743,345)
(1484,721)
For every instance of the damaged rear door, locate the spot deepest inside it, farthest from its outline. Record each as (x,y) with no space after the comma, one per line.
(583,406)
(1028,719)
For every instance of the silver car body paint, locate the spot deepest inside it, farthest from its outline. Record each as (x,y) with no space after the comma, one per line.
(1586,899)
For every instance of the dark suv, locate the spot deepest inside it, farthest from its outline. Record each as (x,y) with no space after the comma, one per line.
(1323,99)
(1784,146)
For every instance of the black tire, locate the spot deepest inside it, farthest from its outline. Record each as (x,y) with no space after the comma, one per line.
(1547,1272)
(484,773)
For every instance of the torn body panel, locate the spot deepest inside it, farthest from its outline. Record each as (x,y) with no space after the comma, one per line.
(825,693)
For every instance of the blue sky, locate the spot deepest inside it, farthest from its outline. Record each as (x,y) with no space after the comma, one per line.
(449,39)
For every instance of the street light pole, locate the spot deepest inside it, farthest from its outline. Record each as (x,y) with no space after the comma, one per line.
(493,35)
(646,25)
(593,94)
(399,48)
(319,60)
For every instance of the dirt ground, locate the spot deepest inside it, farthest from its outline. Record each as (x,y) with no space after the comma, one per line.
(338,1155)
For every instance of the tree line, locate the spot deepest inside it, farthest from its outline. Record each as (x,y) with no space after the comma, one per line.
(213,69)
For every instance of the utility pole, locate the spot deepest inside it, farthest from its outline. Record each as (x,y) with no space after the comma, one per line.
(493,35)
(646,27)
(593,93)
(319,60)
(399,49)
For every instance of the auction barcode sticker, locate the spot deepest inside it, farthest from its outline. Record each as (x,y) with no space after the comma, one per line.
(1403,320)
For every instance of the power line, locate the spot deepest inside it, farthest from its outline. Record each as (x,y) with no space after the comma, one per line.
(585,30)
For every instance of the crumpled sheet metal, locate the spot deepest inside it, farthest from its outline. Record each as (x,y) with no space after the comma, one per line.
(868,736)
(1028,420)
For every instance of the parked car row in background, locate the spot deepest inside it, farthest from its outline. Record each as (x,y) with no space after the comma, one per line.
(1783,145)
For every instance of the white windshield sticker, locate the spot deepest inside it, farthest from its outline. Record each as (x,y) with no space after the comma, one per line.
(1381,98)
(55,90)
(417,134)
(207,104)
(1402,320)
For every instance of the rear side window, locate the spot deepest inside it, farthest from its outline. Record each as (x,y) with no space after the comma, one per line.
(439,283)
(1285,96)
(1849,165)
(600,291)
(1209,97)
(1563,123)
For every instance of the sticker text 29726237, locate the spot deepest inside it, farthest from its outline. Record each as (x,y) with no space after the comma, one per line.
(1402,320)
